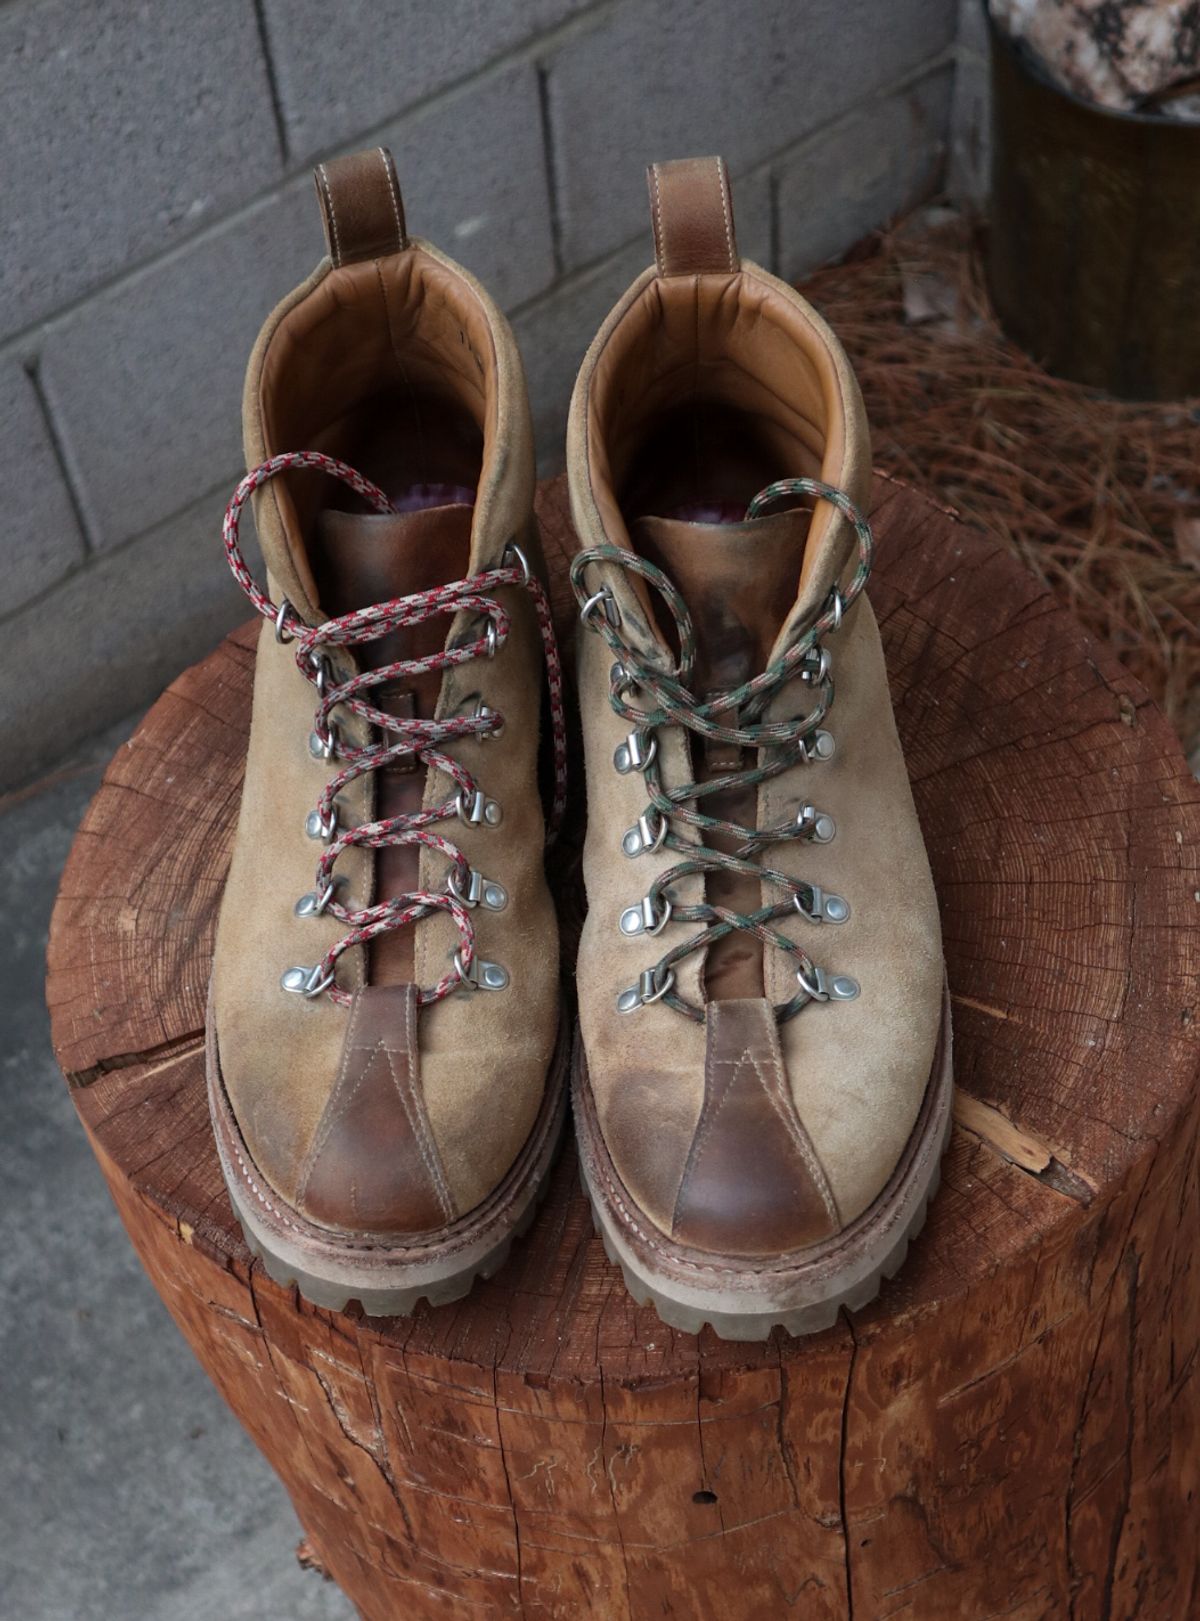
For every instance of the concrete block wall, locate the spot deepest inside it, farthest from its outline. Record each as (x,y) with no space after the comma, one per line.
(158,204)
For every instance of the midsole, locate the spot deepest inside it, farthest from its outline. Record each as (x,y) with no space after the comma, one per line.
(778,1283)
(366,1259)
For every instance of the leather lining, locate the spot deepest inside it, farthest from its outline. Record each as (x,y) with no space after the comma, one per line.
(405,324)
(733,340)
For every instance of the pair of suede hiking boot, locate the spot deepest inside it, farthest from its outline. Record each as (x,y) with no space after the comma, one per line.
(761,1071)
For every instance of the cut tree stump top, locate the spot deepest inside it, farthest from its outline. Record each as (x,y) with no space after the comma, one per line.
(1063,830)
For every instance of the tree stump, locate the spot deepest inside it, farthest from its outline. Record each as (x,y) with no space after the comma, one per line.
(1010,1430)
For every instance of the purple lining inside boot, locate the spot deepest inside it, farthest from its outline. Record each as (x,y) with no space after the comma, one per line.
(708,512)
(420,496)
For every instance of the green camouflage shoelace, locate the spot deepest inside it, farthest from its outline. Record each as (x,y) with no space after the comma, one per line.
(734,718)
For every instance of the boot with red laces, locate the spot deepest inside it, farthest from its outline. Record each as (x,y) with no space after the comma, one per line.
(385,1060)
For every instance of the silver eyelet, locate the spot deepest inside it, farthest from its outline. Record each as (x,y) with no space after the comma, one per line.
(643,837)
(282,633)
(492,638)
(481,976)
(819,746)
(826,987)
(484,712)
(647,990)
(479,890)
(512,550)
(308,982)
(815,825)
(620,680)
(633,754)
(838,607)
(324,748)
(477,810)
(815,668)
(317,828)
(322,670)
(822,907)
(643,919)
(611,611)
(314,903)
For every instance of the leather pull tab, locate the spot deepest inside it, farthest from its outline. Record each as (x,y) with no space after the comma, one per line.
(693,217)
(360,206)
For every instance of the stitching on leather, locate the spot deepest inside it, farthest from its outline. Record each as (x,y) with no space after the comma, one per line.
(410,1040)
(660,245)
(341,1100)
(781,1101)
(775,1097)
(415,1111)
(326,1123)
(723,187)
(796,1132)
(591,1139)
(408,1104)
(248,1173)
(336,1111)
(619,1204)
(475,1233)
(706,1123)
(333,224)
(474,1229)
(706,1130)
(391,180)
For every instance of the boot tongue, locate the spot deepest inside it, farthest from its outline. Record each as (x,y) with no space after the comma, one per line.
(361,558)
(739,581)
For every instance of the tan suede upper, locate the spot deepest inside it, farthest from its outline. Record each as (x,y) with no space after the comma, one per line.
(408,325)
(689,340)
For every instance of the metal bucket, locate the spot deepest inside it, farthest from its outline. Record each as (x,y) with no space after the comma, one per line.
(1094,249)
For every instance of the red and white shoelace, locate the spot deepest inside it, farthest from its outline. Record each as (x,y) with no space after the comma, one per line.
(422,738)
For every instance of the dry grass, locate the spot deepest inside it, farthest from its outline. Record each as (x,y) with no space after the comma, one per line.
(1100,499)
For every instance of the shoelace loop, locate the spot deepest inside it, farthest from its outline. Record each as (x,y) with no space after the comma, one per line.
(734,717)
(421,738)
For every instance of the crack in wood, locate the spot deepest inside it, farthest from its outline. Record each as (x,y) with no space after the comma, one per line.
(158,1057)
(843,1442)
(1012,1143)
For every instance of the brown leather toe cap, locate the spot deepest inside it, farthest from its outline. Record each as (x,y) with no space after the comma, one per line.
(373,1165)
(753,1185)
